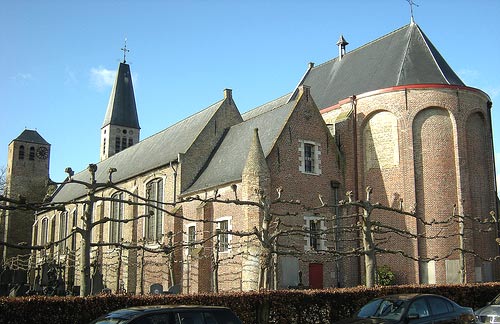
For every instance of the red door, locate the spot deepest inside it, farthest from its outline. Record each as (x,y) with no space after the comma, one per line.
(315,275)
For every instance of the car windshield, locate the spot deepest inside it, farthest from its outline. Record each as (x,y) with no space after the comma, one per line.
(391,309)
(496,301)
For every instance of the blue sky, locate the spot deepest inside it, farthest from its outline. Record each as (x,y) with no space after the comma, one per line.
(58,58)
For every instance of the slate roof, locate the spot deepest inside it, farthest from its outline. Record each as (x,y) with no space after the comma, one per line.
(122,110)
(403,57)
(149,154)
(227,164)
(31,136)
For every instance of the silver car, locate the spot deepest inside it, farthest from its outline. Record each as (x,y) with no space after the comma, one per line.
(489,313)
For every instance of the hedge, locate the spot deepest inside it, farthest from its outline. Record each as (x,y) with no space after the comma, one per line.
(282,306)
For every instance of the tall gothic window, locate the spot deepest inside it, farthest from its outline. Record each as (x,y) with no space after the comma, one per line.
(154,224)
(75,224)
(44,235)
(124,143)
(115,228)
(63,230)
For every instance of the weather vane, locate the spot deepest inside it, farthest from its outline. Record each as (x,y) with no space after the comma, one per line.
(125,50)
(411,3)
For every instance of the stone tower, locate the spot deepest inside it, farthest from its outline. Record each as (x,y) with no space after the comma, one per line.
(121,123)
(256,183)
(27,176)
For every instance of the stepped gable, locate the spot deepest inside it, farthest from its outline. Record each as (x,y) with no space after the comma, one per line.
(151,153)
(403,57)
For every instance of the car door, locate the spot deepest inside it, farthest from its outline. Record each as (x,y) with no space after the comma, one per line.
(442,310)
(419,312)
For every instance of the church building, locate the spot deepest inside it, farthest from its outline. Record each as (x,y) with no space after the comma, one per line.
(202,205)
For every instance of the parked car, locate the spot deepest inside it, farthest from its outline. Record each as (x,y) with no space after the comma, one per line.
(489,313)
(413,308)
(170,314)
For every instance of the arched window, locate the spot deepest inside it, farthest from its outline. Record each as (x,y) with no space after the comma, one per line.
(63,230)
(115,228)
(154,224)
(75,224)
(44,235)
(32,153)
(21,152)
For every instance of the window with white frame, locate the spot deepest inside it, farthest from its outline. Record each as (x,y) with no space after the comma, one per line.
(115,228)
(315,237)
(154,224)
(310,157)
(224,226)
(63,230)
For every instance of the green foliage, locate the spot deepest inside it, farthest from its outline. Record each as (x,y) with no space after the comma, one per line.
(283,306)
(385,276)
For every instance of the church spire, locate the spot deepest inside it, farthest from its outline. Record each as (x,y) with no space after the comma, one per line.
(120,128)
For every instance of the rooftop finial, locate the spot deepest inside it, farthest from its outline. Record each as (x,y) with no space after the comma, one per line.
(411,3)
(125,50)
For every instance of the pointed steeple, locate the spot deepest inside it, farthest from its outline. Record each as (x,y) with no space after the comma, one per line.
(121,107)
(120,128)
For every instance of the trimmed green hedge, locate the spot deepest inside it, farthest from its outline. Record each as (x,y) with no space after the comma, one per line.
(282,306)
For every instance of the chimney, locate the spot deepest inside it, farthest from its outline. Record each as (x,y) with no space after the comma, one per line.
(228,94)
(342,44)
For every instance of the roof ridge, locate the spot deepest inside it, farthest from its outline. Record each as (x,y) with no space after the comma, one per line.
(183,120)
(405,52)
(424,37)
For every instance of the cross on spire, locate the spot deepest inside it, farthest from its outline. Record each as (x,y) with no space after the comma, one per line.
(125,50)
(411,3)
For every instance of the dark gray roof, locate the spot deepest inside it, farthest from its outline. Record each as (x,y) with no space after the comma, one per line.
(121,107)
(402,57)
(228,162)
(149,154)
(266,107)
(31,136)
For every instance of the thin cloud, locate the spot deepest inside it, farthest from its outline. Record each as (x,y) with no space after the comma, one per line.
(23,77)
(102,78)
